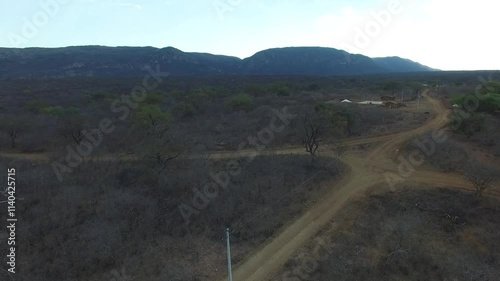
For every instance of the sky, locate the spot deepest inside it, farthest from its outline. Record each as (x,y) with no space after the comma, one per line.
(443,34)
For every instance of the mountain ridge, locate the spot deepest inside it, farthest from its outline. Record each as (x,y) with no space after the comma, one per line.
(129,61)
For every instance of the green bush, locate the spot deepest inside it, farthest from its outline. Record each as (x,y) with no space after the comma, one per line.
(177,95)
(96,96)
(72,111)
(99,97)
(488,102)
(313,87)
(281,89)
(55,111)
(36,106)
(59,111)
(488,95)
(184,109)
(148,115)
(154,98)
(238,102)
(214,92)
(199,98)
(468,126)
(255,90)
(457,99)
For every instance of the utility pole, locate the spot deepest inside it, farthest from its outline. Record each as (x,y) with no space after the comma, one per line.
(229,256)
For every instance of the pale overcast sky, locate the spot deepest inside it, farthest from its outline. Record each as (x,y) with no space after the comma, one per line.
(444,34)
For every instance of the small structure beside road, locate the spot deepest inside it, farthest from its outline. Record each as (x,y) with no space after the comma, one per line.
(371,102)
(393,104)
(387,98)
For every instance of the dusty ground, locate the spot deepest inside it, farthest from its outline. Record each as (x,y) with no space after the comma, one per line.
(411,234)
(366,170)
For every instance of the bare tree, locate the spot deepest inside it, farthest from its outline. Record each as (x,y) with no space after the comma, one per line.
(13,126)
(156,127)
(313,131)
(157,142)
(13,133)
(162,154)
(73,129)
(480,175)
(159,148)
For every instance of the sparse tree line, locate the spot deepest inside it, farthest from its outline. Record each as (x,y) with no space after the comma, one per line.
(108,215)
(190,116)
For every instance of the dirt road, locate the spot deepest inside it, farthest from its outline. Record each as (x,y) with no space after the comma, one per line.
(365,171)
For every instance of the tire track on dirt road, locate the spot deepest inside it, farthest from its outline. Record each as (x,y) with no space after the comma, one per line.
(364,172)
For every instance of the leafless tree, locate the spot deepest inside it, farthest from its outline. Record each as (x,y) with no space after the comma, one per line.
(13,133)
(162,154)
(157,140)
(156,127)
(13,126)
(73,128)
(313,131)
(480,175)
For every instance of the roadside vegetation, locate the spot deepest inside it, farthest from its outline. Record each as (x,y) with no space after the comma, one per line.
(407,235)
(113,215)
(149,199)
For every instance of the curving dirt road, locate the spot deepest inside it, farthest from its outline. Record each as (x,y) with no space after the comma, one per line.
(365,171)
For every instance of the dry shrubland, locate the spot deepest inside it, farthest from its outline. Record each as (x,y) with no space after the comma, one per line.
(109,215)
(409,235)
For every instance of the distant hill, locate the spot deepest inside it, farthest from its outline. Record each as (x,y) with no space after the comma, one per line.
(397,64)
(309,61)
(130,61)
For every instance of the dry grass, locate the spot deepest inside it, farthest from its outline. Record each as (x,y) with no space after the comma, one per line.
(413,235)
